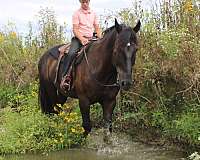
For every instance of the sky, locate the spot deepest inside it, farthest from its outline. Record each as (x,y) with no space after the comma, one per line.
(21,12)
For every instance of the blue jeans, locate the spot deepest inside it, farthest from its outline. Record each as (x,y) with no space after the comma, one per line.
(75,46)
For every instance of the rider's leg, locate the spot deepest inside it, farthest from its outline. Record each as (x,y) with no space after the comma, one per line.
(75,46)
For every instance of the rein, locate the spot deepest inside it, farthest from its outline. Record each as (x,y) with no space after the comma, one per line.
(101,84)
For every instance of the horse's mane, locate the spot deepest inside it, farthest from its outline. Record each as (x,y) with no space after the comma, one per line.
(108,30)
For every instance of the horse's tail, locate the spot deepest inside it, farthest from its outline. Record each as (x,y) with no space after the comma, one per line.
(43,102)
(43,98)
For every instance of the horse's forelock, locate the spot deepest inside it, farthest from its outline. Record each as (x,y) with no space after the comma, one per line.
(127,35)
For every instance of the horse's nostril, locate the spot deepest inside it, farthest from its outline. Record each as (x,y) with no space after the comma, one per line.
(123,83)
(126,83)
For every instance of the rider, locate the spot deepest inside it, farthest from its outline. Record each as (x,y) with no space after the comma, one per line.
(84,23)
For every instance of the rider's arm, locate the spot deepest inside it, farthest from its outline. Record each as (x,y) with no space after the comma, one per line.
(78,34)
(98,30)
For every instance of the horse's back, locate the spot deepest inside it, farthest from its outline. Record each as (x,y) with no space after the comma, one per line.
(50,52)
(54,51)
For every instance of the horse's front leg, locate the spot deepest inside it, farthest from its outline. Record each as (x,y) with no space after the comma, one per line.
(108,107)
(85,112)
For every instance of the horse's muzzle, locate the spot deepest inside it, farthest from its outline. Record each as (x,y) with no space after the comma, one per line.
(126,84)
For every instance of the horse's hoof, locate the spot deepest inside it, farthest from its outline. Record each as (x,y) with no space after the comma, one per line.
(107,137)
(86,133)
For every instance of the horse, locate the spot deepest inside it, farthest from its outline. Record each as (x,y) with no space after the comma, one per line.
(105,68)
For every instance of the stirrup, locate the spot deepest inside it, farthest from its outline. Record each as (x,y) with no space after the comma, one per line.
(65,83)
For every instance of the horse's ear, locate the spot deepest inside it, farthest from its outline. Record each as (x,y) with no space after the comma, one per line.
(117,26)
(137,27)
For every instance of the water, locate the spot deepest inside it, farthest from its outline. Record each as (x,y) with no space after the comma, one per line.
(144,154)
(120,147)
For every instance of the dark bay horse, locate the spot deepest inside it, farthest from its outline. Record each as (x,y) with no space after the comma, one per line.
(105,68)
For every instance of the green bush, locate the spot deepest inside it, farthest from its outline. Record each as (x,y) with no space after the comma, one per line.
(25,129)
(188,126)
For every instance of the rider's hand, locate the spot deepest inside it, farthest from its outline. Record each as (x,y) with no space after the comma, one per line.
(84,40)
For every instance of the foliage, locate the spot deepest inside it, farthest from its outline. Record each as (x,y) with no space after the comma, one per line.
(25,129)
(19,54)
(187,126)
(6,93)
(50,32)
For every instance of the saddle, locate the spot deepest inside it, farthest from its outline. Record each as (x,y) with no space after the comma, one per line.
(63,50)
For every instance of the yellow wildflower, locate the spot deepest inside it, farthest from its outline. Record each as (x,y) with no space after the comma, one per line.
(61,140)
(188,7)
(66,106)
(73,130)
(66,119)
(55,140)
(34,94)
(73,115)
(13,35)
(81,129)
(61,113)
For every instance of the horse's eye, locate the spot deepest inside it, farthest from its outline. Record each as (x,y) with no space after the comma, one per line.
(128,44)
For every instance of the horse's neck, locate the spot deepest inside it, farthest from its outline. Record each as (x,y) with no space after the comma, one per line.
(103,64)
(109,42)
(107,51)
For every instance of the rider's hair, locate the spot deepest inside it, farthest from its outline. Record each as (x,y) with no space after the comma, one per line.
(81,0)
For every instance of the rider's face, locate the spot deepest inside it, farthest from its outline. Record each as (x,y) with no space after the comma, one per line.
(85,4)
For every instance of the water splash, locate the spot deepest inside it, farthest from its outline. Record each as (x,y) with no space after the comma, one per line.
(116,145)
(123,147)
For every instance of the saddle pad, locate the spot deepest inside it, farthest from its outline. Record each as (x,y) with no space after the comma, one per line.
(55,51)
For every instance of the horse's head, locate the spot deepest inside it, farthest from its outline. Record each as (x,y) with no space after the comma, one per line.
(124,54)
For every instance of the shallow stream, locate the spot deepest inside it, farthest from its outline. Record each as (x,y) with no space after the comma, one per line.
(121,147)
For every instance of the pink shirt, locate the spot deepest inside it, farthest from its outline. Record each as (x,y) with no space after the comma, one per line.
(86,19)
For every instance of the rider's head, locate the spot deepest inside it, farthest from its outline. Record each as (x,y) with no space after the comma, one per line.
(84,4)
